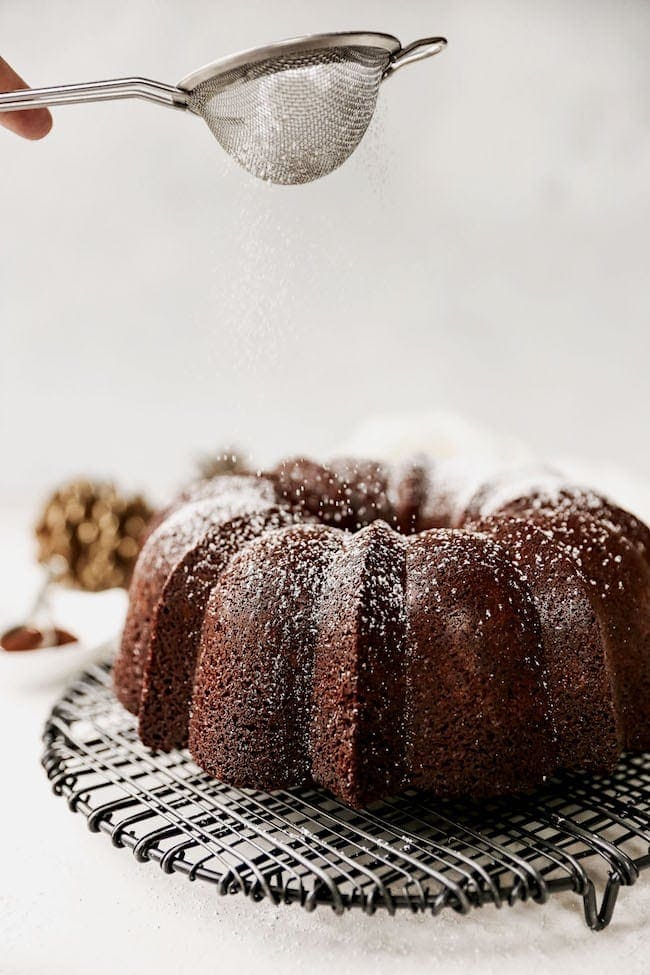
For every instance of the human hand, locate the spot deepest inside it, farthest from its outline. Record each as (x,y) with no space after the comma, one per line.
(31,124)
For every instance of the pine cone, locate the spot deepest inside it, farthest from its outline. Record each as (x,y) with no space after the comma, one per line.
(227,461)
(95,530)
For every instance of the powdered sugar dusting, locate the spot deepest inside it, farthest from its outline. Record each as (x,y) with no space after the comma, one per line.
(222,499)
(306,570)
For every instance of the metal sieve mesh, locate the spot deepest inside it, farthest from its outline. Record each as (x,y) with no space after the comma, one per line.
(297,116)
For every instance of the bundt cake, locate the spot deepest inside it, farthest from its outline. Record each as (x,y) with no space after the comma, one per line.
(368,630)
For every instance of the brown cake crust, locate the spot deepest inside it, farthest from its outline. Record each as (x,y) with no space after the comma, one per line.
(477,709)
(312,626)
(251,718)
(346,494)
(552,506)
(618,572)
(168,676)
(168,544)
(578,657)
(409,486)
(358,708)
(175,538)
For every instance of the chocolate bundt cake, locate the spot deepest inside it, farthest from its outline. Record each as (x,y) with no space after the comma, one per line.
(368,630)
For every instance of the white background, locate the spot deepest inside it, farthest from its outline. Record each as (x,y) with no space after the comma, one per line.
(485,251)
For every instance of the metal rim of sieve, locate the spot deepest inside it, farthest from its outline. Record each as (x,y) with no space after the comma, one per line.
(293,45)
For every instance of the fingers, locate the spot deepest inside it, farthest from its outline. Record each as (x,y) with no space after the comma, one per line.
(32,124)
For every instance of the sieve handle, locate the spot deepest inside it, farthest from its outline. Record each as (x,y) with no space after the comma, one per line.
(94,91)
(425,47)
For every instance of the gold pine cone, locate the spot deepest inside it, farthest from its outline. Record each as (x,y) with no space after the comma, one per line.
(96,530)
(227,461)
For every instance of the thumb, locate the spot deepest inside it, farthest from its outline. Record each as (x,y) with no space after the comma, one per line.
(33,123)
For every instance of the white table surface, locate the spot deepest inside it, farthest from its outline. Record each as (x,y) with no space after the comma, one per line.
(70,903)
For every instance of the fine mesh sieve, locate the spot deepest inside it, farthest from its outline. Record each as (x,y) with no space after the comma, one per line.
(297,117)
(288,113)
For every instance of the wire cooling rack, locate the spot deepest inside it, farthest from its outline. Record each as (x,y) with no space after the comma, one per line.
(587,835)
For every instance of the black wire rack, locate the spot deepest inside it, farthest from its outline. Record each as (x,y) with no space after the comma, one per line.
(587,835)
